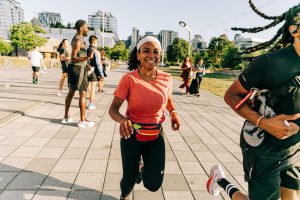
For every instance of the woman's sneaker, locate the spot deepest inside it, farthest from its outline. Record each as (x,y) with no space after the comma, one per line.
(216,173)
(86,123)
(126,198)
(67,120)
(61,93)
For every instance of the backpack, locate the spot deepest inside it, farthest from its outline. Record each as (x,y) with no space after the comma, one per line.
(263,102)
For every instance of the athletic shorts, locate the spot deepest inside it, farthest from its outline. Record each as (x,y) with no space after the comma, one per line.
(265,176)
(64,69)
(93,77)
(35,69)
(77,77)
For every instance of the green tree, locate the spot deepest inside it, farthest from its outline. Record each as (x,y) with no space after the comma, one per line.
(57,25)
(200,53)
(231,59)
(218,48)
(5,47)
(178,50)
(107,51)
(119,51)
(69,25)
(23,35)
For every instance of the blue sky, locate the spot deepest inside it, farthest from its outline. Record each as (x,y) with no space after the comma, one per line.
(208,18)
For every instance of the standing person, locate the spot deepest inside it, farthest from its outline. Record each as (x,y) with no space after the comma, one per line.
(148,92)
(97,75)
(36,59)
(104,62)
(65,57)
(272,166)
(77,73)
(186,68)
(199,69)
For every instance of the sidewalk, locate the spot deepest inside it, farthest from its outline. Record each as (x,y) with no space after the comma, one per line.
(43,159)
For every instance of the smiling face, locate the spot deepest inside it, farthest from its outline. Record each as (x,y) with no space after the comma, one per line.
(149,55)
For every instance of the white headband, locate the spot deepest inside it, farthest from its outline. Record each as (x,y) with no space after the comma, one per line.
(148,39)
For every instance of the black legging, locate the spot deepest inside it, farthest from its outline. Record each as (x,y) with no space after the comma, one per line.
(153,154)
(199,80)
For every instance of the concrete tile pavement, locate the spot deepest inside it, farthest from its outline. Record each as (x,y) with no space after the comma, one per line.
(43,159)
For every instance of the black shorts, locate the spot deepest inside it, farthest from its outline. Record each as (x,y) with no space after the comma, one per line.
(64,69)
(265,176)
(35,69)
(77,77)
(93,77)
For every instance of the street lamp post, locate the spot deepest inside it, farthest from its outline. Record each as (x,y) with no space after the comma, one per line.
(183,24)
(162,57)
(103,15)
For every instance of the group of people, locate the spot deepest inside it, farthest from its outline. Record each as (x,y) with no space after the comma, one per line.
(192,76)
(84,67)
(272,169)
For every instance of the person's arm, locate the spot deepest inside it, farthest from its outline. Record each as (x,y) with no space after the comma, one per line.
(75,51)
(42,60)
(200,69)
(184,67)
(62,57)
(175,122)
(42,63)
(125,124)
(274,125)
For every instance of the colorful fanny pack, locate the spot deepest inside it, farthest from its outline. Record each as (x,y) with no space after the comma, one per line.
(146,132)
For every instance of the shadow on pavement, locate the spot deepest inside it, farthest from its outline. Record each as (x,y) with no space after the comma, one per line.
(17,184)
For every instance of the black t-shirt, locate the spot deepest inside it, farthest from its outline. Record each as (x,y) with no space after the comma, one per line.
(270,71)
(64,52)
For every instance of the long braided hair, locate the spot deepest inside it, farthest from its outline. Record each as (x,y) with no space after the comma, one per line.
(282,38)
(133,62)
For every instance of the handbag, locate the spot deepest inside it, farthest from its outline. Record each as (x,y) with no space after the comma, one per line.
(146,132)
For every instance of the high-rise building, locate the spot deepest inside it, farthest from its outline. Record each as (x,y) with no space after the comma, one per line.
(63,33)
(198,42)
(166,37)
(135,36)
(243,43)
(48,18)
(97,19)
(10,13)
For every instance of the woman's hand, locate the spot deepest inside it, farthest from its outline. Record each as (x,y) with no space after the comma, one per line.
(279,126)
(125,128)
(175,122)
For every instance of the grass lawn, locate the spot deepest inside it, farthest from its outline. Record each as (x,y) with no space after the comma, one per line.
(212,82)
(6,61)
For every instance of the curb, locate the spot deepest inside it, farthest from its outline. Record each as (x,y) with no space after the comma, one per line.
(20,113)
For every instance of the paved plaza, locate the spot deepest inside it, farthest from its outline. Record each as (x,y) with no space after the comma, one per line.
(41,159)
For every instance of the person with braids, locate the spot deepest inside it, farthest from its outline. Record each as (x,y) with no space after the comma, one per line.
(272,167)
(64,57)
(78,76)
(148,92)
